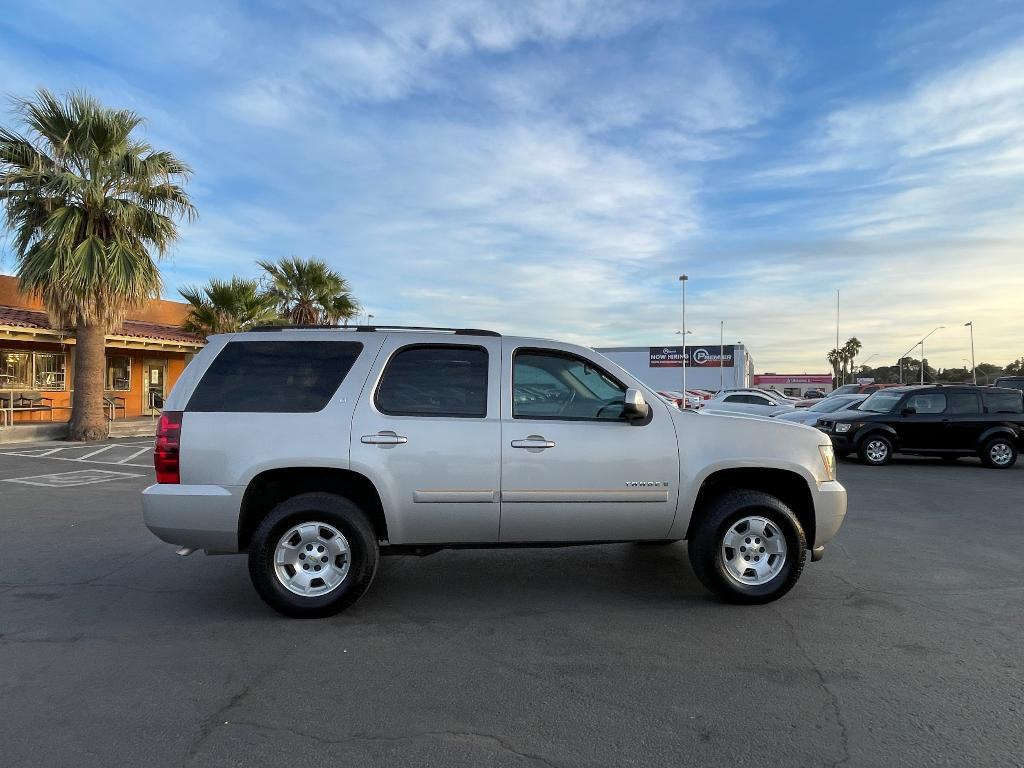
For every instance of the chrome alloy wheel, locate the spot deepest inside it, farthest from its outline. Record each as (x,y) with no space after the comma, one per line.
(753,550)
(312,559)
(1000,453)
(876,451)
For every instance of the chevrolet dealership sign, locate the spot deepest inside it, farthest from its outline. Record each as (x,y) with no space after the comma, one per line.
(696,357)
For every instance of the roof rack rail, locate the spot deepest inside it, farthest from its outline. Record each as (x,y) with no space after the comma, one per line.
(373,328)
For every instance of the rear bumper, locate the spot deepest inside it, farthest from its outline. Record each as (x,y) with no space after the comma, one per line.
(195,516)
(829,511)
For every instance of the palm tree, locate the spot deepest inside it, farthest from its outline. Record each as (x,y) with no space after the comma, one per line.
(835,359)
(89,204)
(308,292)
(227,306)
(343,309)
(849,352)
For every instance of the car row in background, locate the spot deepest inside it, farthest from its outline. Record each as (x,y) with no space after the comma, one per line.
(845,389)
(838,406)
(754,402)
(948,421)
(694,398)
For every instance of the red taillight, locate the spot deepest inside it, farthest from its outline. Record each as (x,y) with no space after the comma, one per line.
(167,448)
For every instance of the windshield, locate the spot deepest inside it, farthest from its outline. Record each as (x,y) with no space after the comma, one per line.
(831,404)
(846,389)
(881,401)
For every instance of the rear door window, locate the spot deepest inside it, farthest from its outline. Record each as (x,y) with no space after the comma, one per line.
(274,376)
(1002,402)
(931,402)
(963,403)
(435,380)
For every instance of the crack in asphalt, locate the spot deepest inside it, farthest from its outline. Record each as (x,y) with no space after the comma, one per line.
(844,736)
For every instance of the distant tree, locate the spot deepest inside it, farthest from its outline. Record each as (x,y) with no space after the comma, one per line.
(988,371)
(90,206)
(228,306)
(835,359)
(850,351)
(1016,368)
(308,292)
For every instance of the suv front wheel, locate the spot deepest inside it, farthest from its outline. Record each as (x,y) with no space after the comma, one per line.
(749,548)
(314,555)
(875,450)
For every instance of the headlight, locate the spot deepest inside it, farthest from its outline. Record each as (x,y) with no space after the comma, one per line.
(828,458)
(841,427)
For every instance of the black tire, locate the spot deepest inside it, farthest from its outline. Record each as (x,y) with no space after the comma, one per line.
(1005,447)
(875,450)
(335,511)
(708,559)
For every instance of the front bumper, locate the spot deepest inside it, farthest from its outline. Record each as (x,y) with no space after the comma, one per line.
(843,444)
(194,516)
(829,511)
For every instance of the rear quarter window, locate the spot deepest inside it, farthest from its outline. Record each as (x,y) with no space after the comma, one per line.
(1002,402)
(274,376)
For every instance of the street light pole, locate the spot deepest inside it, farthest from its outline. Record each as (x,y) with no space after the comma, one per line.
(933,330)
(682,281)
(974,371)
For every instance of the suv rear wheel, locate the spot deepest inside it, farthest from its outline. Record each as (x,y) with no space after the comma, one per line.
(875,450)
(749,548)
(314,555)
(999,453)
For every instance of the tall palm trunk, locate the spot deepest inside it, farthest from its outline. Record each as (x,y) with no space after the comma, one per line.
(88,421)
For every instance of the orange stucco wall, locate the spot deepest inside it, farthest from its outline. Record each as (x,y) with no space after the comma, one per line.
(134,397)
(160,311)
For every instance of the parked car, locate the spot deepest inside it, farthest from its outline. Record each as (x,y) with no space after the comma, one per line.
(946,421)
(810,416)
(676,398)
(749,401)
(1010,382)
(847,389)
(318,451)
(814,394)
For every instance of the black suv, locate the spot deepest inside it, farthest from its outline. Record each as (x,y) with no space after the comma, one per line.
(946,421)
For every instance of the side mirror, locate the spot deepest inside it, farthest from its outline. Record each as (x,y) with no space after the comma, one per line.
(773,404)
(909,410)
(635,408)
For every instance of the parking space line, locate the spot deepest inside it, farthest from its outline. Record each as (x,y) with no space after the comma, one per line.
(101,450)
(137,453)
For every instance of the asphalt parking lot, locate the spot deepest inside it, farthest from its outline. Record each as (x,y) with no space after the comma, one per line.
(902,646)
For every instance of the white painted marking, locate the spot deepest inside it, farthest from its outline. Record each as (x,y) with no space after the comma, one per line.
(50,453)
(137,453)
(101,450)
(69,479)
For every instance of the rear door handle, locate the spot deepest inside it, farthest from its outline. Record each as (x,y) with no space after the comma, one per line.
(384,438)
(536,442)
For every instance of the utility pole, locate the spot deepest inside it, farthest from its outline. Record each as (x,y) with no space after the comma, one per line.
(933,330)
(974,371)
(682,281)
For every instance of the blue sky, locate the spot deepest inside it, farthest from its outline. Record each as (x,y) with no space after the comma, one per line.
(549,168)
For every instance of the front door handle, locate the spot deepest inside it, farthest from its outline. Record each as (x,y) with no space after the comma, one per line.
(534,442)
(384,438)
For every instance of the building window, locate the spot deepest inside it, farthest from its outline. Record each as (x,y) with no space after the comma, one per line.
(15,369)
(49,370)
(119,373)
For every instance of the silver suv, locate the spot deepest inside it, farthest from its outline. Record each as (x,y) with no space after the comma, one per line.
(319,450)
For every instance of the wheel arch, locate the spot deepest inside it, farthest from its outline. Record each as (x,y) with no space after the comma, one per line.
(270,487)
(997,431)
(787,486)
(876,429)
